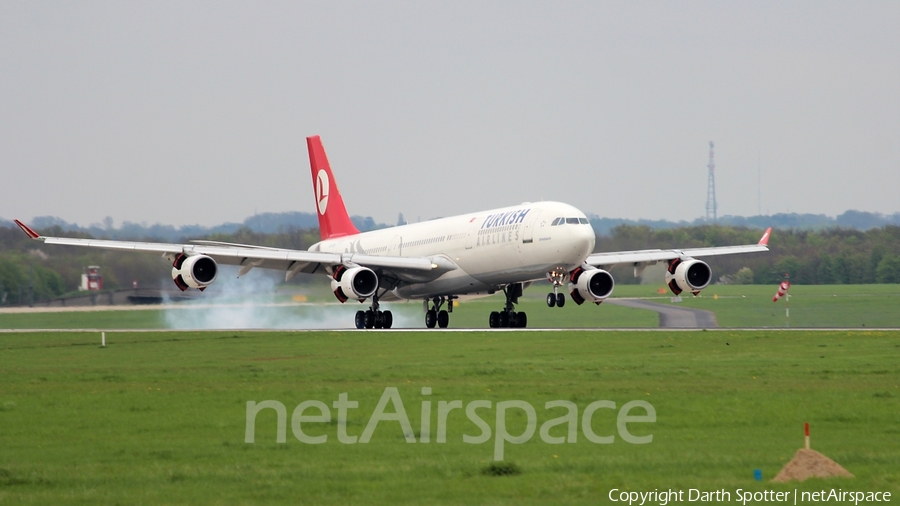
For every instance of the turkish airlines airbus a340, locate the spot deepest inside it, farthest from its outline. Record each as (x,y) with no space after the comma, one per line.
(437,261)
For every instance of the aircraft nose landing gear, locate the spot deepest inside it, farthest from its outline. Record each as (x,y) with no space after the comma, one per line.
(557,276)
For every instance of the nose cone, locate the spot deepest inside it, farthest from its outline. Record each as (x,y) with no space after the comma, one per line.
(578,241)
(587,239)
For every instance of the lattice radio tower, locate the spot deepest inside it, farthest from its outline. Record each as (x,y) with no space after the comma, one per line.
(711,187)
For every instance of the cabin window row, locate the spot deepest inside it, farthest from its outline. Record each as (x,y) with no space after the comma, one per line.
(496,230)
(426,241)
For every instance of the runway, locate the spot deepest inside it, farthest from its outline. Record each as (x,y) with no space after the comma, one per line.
(144,307)
(110,332)
(672,317)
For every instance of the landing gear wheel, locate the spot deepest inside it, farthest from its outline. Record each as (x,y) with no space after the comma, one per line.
(557,276)
(374,317)
(434,315)
(521,320)
(430,318)
(508,318)
(379,319)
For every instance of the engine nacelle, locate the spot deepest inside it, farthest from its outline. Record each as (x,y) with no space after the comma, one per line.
(688,275)
(593,285)
(353,283)
(197,271)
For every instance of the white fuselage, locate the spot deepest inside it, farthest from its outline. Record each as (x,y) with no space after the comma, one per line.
(490,249)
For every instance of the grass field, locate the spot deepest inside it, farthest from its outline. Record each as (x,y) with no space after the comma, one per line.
(160,418)
(847,306)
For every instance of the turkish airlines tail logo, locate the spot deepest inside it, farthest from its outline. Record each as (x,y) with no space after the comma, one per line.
(333,218)
(322,191)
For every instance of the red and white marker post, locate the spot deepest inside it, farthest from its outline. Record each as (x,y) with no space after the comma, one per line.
(806,430)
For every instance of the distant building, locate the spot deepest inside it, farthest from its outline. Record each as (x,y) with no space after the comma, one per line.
(91,280)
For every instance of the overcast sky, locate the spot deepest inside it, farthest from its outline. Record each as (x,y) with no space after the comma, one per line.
(196,112)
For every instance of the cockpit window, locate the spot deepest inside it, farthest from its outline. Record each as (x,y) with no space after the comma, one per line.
(570,221)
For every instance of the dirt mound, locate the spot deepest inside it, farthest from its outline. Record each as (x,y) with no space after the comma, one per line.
(810,464)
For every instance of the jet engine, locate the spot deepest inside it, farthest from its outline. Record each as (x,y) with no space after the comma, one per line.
(354,282)
(196,271)
(688,274)
(593,285)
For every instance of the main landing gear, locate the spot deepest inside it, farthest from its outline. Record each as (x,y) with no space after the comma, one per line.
(374,318)
(509,318)
(435,316)
(557,276)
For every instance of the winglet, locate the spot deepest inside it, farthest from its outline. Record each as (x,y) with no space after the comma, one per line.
(764,241)
(25,228)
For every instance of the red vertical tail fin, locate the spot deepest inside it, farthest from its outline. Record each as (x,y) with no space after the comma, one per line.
(333,218)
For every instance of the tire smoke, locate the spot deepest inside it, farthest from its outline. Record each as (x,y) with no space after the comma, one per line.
(253,302)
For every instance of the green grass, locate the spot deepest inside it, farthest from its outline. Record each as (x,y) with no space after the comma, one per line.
(119,319)
(842,306)
(160,417)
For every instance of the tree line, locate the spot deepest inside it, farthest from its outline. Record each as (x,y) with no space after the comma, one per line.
(813,257)
(30,270)
(268,223)
(859,220)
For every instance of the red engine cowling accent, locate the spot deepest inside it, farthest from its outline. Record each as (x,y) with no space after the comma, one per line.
(197,271)
(355,282)
(593,285)
(688,274)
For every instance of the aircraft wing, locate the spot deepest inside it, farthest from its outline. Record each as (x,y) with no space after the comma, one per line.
(292,261)
(651,256)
